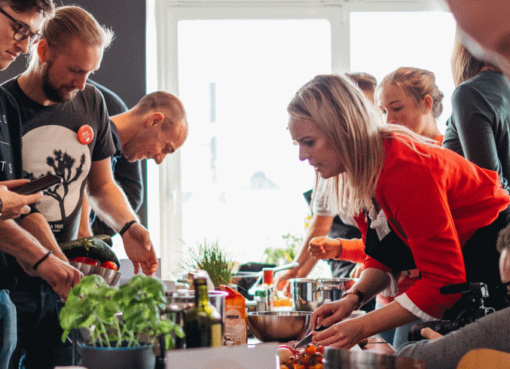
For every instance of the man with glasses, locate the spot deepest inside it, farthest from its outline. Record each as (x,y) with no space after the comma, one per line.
(489,332)
(19,22)
(66,132)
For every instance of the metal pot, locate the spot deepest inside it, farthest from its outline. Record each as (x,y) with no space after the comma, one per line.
(339,358)
(309,294)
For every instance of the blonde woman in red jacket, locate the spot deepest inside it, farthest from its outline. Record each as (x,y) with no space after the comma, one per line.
(438,205)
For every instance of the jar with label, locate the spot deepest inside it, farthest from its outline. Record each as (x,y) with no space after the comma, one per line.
(235,318)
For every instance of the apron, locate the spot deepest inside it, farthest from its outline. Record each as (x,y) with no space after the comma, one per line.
(392,252)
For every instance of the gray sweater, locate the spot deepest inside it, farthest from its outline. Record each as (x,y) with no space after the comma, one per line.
(492,332)
(479,128)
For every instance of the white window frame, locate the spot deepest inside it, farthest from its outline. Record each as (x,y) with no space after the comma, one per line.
(167,13)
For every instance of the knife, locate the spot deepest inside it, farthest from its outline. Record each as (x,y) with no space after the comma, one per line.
(309,336)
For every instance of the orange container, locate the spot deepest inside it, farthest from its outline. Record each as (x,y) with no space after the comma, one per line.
(235,318)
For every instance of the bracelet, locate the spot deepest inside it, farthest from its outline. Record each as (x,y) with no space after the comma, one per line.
(355,291)
(42,259)
(126,227)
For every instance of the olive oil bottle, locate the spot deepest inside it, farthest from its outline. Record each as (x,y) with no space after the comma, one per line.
(202,324)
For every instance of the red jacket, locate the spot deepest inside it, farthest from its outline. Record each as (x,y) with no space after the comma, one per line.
(434,203)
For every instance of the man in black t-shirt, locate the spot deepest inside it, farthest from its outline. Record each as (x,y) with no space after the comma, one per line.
(19,25)
(66,132)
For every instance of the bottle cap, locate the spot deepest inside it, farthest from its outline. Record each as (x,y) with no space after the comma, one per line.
(261,293)
(268,275)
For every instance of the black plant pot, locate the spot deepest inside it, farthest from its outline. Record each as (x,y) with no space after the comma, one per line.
(138,357)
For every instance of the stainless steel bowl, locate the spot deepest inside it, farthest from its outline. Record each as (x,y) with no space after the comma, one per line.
(279,326)
(309,294)
(110,276)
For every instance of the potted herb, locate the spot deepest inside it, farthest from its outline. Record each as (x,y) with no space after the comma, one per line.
(95,306)
(215,261)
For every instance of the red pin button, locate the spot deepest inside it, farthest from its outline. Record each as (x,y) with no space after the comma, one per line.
(85,134)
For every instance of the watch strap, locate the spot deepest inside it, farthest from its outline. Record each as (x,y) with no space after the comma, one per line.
(355,291)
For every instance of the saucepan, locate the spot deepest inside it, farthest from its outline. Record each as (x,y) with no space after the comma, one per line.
(308,294)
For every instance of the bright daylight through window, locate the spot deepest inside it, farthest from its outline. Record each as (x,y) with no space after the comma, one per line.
(240,181)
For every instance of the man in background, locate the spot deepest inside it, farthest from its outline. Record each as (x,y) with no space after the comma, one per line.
(155,127)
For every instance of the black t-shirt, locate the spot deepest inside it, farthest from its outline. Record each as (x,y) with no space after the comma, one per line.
(127,175)
(51,145)
(10,138)
(10,160)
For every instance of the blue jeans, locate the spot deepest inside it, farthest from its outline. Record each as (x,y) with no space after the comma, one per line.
(397,336)
(39,332)
(8,328)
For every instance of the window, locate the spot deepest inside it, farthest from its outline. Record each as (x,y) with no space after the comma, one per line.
(235,66)
(405,39)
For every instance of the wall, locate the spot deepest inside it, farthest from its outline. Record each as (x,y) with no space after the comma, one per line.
(123,66)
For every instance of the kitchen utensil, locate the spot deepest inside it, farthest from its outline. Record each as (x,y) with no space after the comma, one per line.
(308,339)
(110,276)
(252,289)
(309,294)
(335,358)
(309,336)
(279,326)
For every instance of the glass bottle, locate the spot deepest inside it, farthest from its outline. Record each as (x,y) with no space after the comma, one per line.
(202,324)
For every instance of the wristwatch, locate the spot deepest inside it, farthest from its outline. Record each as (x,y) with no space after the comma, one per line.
(355,291)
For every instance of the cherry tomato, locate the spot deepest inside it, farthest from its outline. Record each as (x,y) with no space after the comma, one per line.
(317,366)
(109,265)
(311,350)
(320,349)
(306,359)
(86,260)
(299,366)
(284,367)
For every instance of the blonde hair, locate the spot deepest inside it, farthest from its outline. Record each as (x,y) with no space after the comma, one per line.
(417,83)
(337,107)
(69,22)
(464,65)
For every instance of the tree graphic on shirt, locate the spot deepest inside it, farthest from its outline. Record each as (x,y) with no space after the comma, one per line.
(62,165)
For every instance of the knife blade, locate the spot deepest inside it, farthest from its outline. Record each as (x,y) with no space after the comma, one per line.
(309,336)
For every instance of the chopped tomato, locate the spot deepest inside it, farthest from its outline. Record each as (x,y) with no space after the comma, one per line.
(86,260)
(320,349)
(109,265)
(311,350)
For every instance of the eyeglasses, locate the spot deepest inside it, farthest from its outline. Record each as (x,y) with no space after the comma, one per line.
(23,31)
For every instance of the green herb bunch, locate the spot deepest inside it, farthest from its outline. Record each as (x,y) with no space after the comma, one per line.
(215,261)
(93,304)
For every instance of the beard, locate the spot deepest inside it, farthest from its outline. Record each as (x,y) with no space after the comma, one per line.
(55,94)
